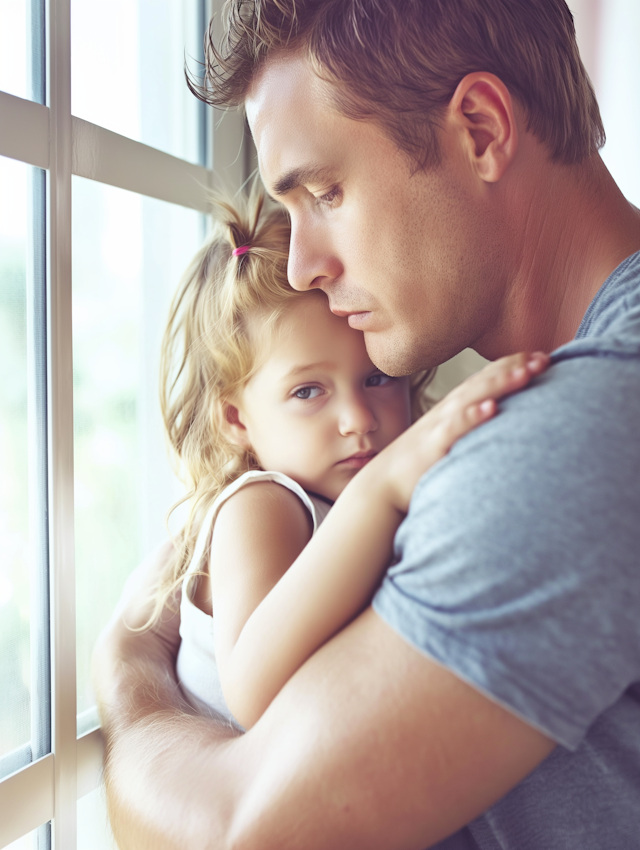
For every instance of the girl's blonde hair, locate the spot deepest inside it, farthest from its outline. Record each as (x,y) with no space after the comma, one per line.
(209,353)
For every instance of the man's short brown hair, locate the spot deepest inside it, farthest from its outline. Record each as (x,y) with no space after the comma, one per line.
(398,62)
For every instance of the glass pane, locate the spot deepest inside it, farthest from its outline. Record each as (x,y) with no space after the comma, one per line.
(94,832)
(27,842)
(13,47)
(618,67)
(15,728)
(130,79)
(129,253)
(609,41)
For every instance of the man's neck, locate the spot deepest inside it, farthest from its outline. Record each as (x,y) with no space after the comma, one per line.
(577,228)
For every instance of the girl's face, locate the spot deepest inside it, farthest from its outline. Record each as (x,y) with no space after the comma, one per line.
(318,409)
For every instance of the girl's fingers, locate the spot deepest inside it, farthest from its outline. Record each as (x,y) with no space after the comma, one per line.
(487,407)
(500,378)
(538,362)
(459,422)
(474,401)
(466,407)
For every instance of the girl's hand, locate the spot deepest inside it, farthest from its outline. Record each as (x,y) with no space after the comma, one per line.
(402,463)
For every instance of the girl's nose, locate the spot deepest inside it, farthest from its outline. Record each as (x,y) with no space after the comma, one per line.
(356,417)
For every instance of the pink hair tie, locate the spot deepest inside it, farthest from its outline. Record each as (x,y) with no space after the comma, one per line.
(238,252)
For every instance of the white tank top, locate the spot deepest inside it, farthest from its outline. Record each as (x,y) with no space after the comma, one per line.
(196,664)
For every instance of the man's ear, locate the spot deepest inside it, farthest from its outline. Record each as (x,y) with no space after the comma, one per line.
(482,110)
(233,427)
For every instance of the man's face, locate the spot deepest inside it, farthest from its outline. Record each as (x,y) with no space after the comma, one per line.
(411,257)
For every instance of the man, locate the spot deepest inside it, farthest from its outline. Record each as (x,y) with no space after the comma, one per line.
(439,162)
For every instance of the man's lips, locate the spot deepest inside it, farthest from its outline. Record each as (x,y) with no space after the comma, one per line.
(358,459)
(345,311)
(356,318)
(338,312)
(358,321)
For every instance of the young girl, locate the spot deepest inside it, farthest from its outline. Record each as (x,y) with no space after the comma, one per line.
(274,412)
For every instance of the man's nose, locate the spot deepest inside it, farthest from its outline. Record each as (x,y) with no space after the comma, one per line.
(312,265)
(357,417)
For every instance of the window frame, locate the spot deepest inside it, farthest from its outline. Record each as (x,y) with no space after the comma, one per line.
(49,137)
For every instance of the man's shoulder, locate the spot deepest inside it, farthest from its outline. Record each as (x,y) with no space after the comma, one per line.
(592,388)
(564,449)
(615,310)
(577,410)
(591,393)
(517,563)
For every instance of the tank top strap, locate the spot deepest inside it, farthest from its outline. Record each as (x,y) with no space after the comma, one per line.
(316,507)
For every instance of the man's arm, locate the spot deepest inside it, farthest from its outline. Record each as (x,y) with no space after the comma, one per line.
(269,619)
(152,734)
(370,745)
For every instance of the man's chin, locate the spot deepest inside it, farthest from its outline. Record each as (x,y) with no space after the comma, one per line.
(391,356)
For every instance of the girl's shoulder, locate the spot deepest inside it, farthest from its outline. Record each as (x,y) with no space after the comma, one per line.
(262,503)
(273,483)
(260,529)
(279,505)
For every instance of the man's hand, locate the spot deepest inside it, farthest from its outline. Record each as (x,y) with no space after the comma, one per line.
(158,647)
(145,719)
(370,745)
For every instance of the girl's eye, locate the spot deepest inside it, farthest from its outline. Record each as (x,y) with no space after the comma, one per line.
(305,393)
(379,379)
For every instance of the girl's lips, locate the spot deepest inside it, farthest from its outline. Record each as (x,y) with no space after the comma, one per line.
(357,460)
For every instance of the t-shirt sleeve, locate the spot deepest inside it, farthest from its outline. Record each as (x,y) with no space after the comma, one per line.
(518,565)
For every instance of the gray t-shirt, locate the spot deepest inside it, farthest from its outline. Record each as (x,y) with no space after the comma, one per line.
(518,567)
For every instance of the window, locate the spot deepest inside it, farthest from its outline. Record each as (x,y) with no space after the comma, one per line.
(105,163)
(609,38)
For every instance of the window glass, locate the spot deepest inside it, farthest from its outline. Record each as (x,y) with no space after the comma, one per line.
(14,469)
(27,842)
(617,73)
(127,59)
(608,37)
(129,253)
(13,47)
(94,832)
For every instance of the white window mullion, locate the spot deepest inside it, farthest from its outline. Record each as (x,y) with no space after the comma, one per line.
(26,800)
(40,637)
(229,148)
(107,157)
(60,369)
(24,130)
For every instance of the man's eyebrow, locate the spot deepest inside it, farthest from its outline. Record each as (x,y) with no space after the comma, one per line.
(299,177)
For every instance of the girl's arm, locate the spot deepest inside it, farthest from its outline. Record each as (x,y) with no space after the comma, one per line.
(269,618)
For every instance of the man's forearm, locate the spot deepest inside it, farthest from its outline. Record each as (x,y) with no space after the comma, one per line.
(327,765)
(155,742)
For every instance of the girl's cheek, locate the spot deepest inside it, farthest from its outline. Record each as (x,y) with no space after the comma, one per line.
(312,408)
